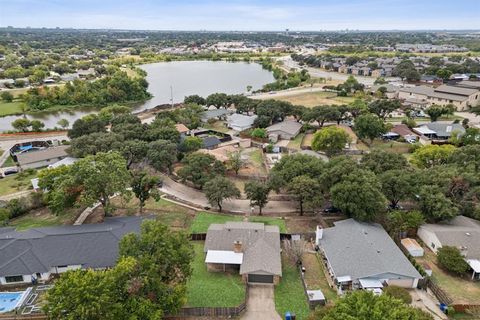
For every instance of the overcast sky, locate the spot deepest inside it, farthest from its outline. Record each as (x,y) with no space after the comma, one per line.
(243,15)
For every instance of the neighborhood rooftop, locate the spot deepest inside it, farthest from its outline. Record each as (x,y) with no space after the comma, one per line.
(42,155)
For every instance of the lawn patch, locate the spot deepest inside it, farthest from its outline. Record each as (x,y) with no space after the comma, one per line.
(204,219)
(269,221)
(289,294)
(16,182)
(11,108)
(212,289)
(297,142)
(312,99)
(43,218)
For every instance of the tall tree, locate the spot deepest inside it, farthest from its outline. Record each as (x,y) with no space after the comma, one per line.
(235,161)
(369,126)
(219,189)
(306,190)
(383,107)
(331,140)
(144,186)
(200,168)
(380,161)
(257,192)
(162,154)
(432,155)
(397,185)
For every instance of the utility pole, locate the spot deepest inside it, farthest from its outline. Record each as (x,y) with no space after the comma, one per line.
(171,95)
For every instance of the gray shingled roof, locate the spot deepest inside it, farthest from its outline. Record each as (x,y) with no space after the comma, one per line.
(41,155)
(459,232)
(443,129)
(456,90)
(362,250)
(260,243)
(287,126)
(40,249)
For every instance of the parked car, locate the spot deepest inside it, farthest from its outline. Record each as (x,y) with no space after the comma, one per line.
(331,209)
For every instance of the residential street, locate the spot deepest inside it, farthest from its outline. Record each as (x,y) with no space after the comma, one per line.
(197,198)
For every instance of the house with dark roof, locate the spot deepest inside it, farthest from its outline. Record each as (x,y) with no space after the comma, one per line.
(460,232)
(362,255)
(38,253)
(439,130)
(252,249)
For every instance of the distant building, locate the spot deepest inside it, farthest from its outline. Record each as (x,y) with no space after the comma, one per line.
(439,130)
(240,122)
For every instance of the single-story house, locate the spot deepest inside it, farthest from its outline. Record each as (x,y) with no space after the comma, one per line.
(240,122)
(460,232)
(41,158)
(439,130)
(36,254)
(404,132)
(181,128)
(217,114)
(252,249)
(286,130)
(363,256)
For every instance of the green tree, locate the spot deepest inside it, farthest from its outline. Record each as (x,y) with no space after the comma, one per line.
(369,126)
(200,168)
(86,125)
(380,161)
(191,144)
(400,221)
(235,161)
(321,114)
(331,140)
(218,100)
(144,186)
(162,154)
(432,155)
(219,189)
(435,112)
(21,124)
(306,190)
(434,205)
(364,305)
(37,125)
(397,185)
(94,143)
(383,107)
(4,217)
(359,195)
(6,96)
(133,151)
(468,156)
(407,71)
(259,133)
(63,123)
(257,192)
(292,166)
(195,99)
(451,259)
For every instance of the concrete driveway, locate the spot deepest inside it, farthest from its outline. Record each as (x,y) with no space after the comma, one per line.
(261,304)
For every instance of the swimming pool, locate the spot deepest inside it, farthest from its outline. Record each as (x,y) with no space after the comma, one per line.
(11,300)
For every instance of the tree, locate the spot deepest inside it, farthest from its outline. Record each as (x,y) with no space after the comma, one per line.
(218,100)
(331,140)
(133,151)
(195,99)
(6,96)
(434,205)
(259,133)
(451,259)
(468,156)
(37,125)
(94,143)
(306,190)
(435,112)
(322,114)
(380,161)
(144,186)
(407,71)
(257,192)
(63,123)
(444,73)
(369,126)
(383,107)
(157,285)
(400,221)
(364,305)
(86,125)
(470,137)
(292,166)
(191,144)
(162,154)
(219,189)
(359,195)
(200,168)
(432,155)
(21,124)
(235,161)
(397,185)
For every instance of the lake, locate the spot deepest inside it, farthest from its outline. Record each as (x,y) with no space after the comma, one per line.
(176,79)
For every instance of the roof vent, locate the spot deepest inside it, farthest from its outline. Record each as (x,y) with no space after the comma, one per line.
(468,234)
(378,251)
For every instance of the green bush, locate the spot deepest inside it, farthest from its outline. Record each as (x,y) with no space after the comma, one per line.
(259,133)
(4,216)
(399,293)
(451,259)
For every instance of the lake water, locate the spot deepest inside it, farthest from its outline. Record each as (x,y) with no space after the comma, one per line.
(177,79)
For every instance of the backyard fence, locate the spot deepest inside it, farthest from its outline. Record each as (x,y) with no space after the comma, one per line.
(441,295)
(463,308)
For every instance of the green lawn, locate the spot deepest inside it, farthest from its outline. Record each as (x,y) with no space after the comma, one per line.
(203,220)
(297,142)
(16,183)
(9,108)
(212,289)
(289,294)
(43,218)
(9,163)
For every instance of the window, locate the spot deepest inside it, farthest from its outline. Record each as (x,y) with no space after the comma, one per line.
(12,279)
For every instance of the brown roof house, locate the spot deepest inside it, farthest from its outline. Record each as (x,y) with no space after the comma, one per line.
(252,249)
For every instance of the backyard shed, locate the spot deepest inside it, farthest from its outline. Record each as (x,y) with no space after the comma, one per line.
(316,298)
(413,248)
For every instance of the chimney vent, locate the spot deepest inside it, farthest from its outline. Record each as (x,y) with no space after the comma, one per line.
(237,247)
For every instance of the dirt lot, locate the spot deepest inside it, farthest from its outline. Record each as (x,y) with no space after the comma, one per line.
(312,99)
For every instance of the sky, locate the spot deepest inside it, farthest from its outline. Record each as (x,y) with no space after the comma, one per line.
(246,15)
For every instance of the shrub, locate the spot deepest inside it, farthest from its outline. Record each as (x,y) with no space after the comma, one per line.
(4,216)
(17,207)
(451,259)
(259,133)
(399,293)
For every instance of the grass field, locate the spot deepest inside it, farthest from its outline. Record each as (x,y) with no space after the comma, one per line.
(289,294)
(43,218)
(16,183)
(11,108)
(212,289)
(203,220)
(297,142)
(461,290)
(312,99)
(391,146)
(315,276)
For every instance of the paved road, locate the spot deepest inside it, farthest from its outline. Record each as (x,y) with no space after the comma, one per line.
(196,197)
(261,304)
(15,195)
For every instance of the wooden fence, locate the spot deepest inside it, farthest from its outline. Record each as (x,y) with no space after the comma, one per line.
(441,295)
(463,308)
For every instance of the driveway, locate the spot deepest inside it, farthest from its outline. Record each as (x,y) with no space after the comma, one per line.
(260,304)
(428,303)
